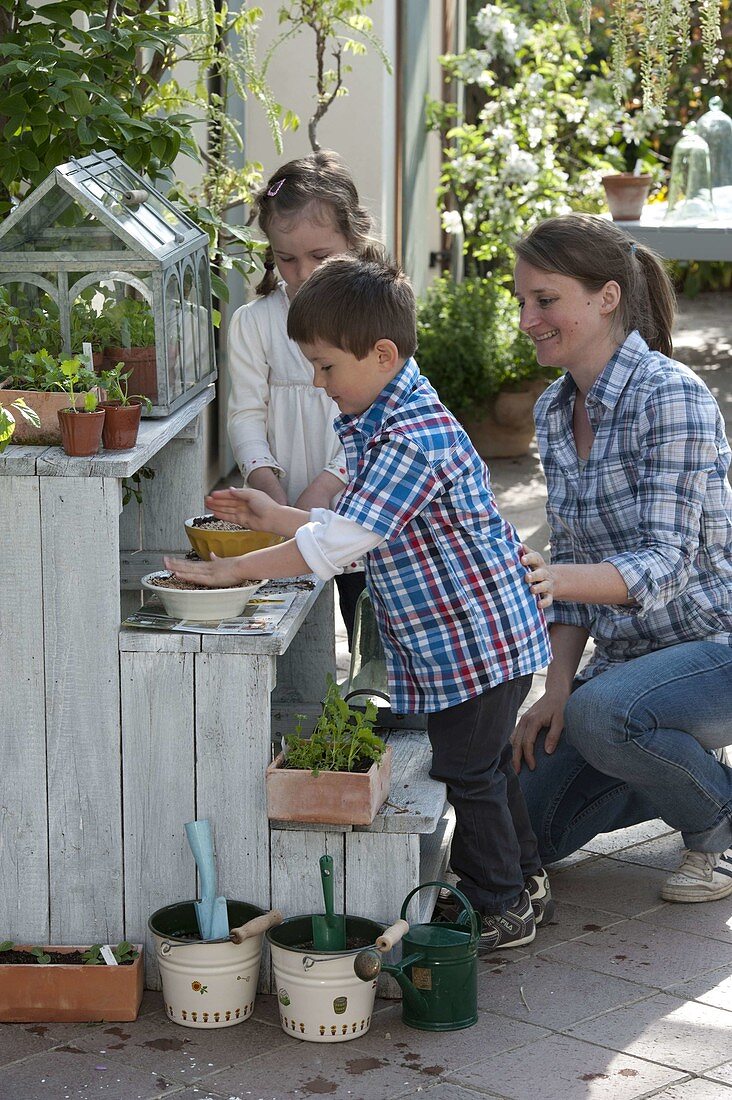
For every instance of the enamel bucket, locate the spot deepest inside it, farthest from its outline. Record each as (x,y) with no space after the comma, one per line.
(207,983)
(320,998)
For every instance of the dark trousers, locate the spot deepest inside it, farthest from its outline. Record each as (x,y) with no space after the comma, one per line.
(494,847)
(350,586)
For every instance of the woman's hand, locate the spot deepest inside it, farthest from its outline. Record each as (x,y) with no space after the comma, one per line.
(248,507)
(217,573)
(539,577)
(546,713)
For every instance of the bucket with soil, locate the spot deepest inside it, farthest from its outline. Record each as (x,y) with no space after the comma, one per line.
(208,983)
(321,1000)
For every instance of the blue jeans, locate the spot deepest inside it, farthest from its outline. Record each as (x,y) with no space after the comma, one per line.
(636,746)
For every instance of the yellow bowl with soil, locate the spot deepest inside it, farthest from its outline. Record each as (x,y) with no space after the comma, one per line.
(226,544)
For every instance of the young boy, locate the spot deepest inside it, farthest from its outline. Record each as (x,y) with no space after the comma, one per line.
(459,618)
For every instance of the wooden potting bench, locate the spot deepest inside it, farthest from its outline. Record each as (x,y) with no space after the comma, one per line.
(114,738)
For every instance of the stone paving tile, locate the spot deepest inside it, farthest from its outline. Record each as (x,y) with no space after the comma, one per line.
(715,988)
(442,1092)
(140,1060)
(553,994)
(564,1068)
(663,852)
(569,923)
(390,1061)
(712,919)
(721,1073)
(695,1089)
(607,885)
(607,843)
(663,1029)
(643,953)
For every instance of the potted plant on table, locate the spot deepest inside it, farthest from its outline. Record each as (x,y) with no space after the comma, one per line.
(626,191)
(81,428)
(70,984)
(130,337)
(340,775)
(484,369)
(122,409)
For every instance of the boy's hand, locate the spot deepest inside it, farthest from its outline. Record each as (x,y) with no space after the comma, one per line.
(217,573)
(248,507)
(539,576)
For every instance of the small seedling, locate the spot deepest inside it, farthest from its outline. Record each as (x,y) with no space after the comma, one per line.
(115,381)
(40,955)
(343,739)
(124,952)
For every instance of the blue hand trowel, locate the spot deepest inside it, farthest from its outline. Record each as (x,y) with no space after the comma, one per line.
(211,911)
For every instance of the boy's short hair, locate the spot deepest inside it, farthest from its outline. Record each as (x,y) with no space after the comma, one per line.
(352,303)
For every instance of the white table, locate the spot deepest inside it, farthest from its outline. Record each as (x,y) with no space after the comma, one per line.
(707,241)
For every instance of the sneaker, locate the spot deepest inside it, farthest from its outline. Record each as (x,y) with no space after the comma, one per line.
(510,929)
(540,893)
(702,876)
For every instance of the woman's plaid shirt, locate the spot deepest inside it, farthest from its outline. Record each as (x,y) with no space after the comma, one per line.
(653,499)
(454,612)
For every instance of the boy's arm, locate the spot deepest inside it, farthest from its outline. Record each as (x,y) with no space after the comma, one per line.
(284,560)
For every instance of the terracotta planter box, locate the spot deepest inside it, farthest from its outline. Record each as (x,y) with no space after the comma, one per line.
(69,993)
(47,405)
(331,798)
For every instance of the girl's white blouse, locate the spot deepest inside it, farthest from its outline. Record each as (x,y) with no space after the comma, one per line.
(276,416)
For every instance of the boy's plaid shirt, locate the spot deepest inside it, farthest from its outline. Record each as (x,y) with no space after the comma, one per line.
(455,614)
(653,499)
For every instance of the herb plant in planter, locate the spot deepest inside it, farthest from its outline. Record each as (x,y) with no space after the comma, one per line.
(81,428)
(70,984)
(340,775)
(131,340)
(484,369)
(122,409)
(37,377)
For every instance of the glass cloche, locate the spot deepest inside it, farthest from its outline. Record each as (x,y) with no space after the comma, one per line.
(716,128)
(690,187)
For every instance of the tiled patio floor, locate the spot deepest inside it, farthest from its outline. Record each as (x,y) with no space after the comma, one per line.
(622,997)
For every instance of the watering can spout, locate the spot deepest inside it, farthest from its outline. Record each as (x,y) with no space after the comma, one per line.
(368,965)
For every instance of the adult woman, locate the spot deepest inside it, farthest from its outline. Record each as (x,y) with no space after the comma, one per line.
(640,512)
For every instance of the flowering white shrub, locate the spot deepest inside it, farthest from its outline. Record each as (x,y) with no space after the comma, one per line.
(546,129)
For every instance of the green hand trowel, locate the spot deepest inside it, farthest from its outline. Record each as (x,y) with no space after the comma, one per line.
(329,932)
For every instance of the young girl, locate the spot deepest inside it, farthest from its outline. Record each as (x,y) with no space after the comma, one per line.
(280,426)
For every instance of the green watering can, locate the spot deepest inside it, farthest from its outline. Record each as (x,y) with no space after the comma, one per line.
(438,973)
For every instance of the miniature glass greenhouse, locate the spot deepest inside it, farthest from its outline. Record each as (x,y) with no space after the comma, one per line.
(96,256)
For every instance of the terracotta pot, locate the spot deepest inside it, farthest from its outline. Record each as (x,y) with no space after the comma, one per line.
(626,195)
(81,432)
(331,798)
(506,429)
(143,364)
(72,993)
(121,425)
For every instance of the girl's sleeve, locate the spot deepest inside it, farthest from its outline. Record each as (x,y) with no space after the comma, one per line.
(249,395)
(679,452)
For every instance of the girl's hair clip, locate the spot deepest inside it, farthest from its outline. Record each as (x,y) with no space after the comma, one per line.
(275,188)
(633,248)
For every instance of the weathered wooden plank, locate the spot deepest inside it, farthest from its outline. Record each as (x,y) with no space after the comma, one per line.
(153,437)
(19,461)
(158,759)
(415,800)
(80,576)
(296,884)
(232,753)
(175,493)
(23,835)
(301,671)
(134,640)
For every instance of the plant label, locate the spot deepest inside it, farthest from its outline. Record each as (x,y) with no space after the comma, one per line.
(108,955)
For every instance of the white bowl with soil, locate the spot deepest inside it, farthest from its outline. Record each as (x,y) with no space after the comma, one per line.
(183,600)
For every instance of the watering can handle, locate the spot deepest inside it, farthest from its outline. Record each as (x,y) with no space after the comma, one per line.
(256,926)
(391,936)
(474,921)
(366,691)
